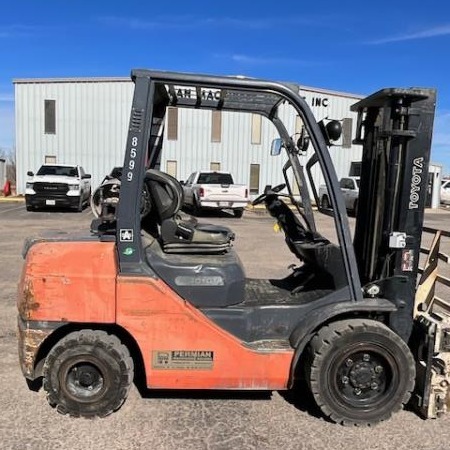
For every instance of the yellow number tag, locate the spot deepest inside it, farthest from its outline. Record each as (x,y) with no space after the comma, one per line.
(277,228)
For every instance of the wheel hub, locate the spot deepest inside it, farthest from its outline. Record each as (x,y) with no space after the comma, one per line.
(87,378)
(362,375)
(84,380)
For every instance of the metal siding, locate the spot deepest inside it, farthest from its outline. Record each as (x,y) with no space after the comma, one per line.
(92,121)
(91,126)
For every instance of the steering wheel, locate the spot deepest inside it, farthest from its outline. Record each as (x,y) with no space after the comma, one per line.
(272,191)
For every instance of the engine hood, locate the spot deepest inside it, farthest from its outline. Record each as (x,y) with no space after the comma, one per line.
(54,179)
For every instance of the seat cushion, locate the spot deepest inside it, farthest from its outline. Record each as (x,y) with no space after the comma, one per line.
(184,237)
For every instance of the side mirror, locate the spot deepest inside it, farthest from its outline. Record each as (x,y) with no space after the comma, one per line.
(275,148)
(182,182)
(86,175)
(331,131)
(30,173)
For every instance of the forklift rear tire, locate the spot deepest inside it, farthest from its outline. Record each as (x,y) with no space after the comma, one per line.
(361,372)
(88,374)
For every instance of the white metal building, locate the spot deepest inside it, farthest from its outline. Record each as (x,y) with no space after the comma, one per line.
(84,121)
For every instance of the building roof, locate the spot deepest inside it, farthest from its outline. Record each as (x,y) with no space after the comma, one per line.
(71,80)
(128,79)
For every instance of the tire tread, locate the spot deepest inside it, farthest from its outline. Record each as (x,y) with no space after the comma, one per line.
(109,342)
(318,352)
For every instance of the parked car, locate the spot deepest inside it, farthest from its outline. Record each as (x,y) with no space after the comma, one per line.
(445,192)
(59,186)
(350,191)
(215,190)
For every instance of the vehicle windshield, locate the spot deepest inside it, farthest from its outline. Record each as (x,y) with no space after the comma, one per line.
(215,178)
(64,171)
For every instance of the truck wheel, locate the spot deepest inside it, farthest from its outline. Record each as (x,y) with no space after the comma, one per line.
(88,374)
(361,372)
(325,202)
(29,207)
(196,209)
(238,213)
(79,208)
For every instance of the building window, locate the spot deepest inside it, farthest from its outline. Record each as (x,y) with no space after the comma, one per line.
(171,168)
(256,129)
(172,124)
(215,166)
(216,126)
(347,125)
(355,169)
(49,116)
(50,159)
(254,178)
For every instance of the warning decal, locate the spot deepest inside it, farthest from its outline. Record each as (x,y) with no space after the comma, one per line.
(183,359)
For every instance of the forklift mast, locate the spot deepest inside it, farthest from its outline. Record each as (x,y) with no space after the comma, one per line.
(395,129)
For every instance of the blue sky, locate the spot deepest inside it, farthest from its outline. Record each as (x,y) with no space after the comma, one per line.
(349,46)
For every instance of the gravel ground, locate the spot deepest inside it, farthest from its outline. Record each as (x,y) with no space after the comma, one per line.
(182,420)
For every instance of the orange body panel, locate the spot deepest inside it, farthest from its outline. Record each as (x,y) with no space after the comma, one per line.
(76,282)
(161,321)
(69,281)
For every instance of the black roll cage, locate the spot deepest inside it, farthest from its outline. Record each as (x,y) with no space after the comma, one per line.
(156,90)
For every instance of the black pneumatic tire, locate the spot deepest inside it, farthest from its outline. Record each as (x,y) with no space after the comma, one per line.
(196,209)
(88,374)
(238,213)
(325,202)
(79,207)
(360,372)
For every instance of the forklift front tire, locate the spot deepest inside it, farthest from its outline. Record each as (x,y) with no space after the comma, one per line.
(360,372)
(88,374)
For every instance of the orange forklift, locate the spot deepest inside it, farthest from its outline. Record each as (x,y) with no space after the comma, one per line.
(160,292)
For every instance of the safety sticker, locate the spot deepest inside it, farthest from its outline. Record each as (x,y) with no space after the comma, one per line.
(126,235)
(183,359)
(407,260)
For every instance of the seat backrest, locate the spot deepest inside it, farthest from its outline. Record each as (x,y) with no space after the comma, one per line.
(166,194)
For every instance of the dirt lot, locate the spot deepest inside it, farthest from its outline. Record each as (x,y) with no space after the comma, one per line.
(164,420)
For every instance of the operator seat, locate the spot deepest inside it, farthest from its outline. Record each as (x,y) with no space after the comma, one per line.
(178,235)
(309,246)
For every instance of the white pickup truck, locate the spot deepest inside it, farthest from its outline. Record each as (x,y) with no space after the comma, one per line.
(445,192)
(350,192)
(215,190)
(58,185)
